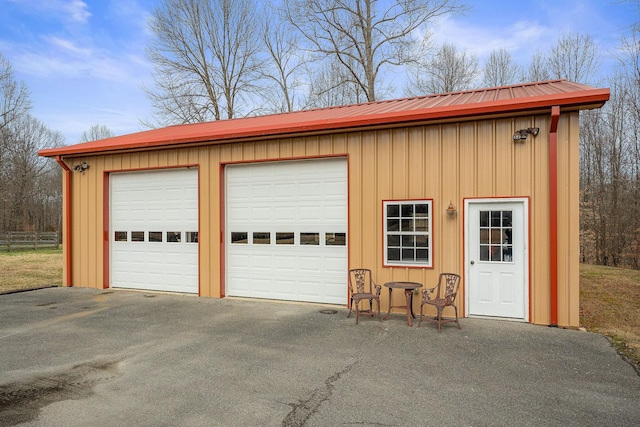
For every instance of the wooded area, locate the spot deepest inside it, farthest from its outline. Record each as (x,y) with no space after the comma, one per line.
(234,58)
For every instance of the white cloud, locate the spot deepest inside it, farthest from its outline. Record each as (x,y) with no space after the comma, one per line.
(76,11)
(68,46)
(481,39)
(61,58)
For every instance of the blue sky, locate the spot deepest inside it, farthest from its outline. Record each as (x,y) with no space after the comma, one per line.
(84,61)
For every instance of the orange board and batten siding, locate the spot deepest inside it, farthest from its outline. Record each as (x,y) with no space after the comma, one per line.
(443,162)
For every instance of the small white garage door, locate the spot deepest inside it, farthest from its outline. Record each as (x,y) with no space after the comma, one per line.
(154,230)
(286,230)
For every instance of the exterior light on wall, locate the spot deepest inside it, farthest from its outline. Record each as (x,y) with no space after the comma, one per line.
(451,210)
(81,167)
(521,135)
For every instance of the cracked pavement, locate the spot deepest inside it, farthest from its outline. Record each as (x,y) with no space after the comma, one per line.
(77,357)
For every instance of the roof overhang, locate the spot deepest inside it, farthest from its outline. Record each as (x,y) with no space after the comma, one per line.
(506,101)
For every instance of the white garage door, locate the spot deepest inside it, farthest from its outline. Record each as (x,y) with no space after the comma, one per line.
(286,230)
(154,230)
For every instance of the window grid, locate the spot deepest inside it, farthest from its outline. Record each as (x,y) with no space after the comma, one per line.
(407,233)
(496,231)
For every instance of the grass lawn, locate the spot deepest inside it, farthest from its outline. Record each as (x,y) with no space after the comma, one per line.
(609,297)
(27,268)
(610,305)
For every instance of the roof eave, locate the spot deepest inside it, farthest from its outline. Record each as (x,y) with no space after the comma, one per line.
(578,100)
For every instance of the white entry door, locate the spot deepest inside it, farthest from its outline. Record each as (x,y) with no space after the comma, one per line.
(496,258)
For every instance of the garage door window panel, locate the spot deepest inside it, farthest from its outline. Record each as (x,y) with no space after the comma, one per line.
(310,239)
(407,234)
(285,238)
(239,237)
(261,238)
(137,236)
(155,236)
(121,236)
(174,236)
(335,239)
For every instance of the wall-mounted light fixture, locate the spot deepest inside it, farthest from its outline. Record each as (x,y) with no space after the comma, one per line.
(81,167)
(451,209)
(521,134)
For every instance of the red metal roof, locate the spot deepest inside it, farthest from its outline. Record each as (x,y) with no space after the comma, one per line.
(480,102)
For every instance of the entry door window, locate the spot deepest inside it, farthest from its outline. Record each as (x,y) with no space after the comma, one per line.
(496,236)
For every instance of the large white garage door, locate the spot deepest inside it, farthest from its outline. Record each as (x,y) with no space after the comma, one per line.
(286,230)
(154,230)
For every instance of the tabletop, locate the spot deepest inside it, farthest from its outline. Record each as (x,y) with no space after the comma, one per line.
(403,285)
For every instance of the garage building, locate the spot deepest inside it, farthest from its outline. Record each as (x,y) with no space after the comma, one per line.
(483,183)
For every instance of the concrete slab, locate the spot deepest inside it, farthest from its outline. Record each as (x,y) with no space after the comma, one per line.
(77,357)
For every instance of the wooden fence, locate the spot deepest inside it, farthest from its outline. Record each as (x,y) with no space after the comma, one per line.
(11,240)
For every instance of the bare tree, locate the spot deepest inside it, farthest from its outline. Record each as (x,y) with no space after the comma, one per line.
(30,191)
(96,132)
(26,171)
(330,85)
(205,55)
(14,103)
(367,37)
(575,57)
(538,70)
(14,95)
(629,57)
(610,167)
(608,212)
(448,71)
(283,69)
(500,69)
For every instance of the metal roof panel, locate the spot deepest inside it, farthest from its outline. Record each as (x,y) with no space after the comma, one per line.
(479,102)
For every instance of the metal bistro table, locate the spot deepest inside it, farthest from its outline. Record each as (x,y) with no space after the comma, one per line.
(408,287)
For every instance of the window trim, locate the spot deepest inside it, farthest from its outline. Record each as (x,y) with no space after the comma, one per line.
(403,264)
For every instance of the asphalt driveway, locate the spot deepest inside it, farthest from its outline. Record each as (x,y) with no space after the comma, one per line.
(79,357)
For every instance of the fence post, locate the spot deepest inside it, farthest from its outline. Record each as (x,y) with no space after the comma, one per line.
(35,240)
(8,241)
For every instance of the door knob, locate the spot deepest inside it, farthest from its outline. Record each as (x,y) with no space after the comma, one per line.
(473,262)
